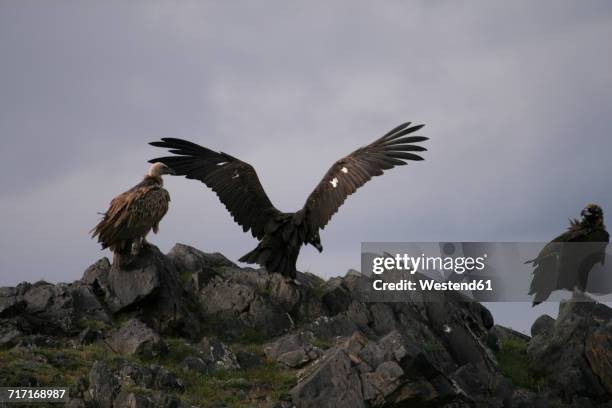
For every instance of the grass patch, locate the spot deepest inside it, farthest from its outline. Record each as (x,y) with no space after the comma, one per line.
(48,366)
(240,388)
(514,364)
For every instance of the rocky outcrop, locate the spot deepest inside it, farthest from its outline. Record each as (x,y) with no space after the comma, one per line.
(134,337)
(573,352)
(176,328)
(293,350)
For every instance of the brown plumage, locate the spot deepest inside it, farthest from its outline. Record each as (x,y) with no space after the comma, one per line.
(281,234)
(565,262)
(132,214)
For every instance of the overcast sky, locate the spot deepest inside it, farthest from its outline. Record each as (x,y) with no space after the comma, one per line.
(517,98)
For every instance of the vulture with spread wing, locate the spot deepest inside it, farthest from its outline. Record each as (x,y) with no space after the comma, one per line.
(565,262)
(132,214)
(281,235)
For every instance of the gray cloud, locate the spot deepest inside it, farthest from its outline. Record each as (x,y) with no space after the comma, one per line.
(516,98)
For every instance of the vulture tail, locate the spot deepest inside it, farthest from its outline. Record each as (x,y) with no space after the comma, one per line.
(273,260)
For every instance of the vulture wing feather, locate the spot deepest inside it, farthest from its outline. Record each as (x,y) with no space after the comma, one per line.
(235,182)
(351,172)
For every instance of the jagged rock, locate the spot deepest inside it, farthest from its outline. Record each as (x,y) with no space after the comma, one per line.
(247,360)
(218,354)
(212,355)
(132,400)
(336,297)
(104,385)
(97,273)
(334,383)
(134,337)
(11,303)
(196,364)
(543,325)
(9,334)
(391,370)
(574,355)
(167,380)
(89,335)
(128,287)
(598,350)
(292,350)
(243,299)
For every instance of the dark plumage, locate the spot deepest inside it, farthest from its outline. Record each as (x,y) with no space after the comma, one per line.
(281,234)
(132,214)
(566,261)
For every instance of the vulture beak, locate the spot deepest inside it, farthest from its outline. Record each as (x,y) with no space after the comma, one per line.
(170,171)
(318,246)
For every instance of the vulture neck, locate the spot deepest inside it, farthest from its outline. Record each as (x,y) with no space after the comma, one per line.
(152,180)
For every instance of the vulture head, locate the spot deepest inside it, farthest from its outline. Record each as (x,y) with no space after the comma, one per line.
(315,241)
(158,169)
(592,214)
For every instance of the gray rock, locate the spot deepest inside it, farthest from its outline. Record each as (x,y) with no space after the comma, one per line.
(196,364)
(97,274)
(128,287)
(11,303)
(104,385)
(574,354)
(88,336)
(131,400)
(248,360)
(335,383)
(292,350)
(218,354)
(137,375)
(9,334)
(167,380)
(543,325)
(134,337)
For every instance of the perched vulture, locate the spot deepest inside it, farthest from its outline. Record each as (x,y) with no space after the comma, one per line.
(281,235)
(133,214)
(566,261)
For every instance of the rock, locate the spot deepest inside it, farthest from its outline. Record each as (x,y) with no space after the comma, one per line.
(134,337)
(136,375)
(336,297)
(598,351)
(104,385)
(196,364)
(254,300)
(88,336)
(11,303)
(292,350)
(190,260)
(217,354)
(574,354)
(128,287)
(334,383)
(132,400)
(9,334)
(543,325)
(97,274)
(167,380)
(212,355)
(248,360)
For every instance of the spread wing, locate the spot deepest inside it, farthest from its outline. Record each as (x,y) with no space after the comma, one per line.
(131,215)
(353,171)
(234,181)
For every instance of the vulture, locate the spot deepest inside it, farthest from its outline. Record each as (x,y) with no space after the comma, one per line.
(565,262)
(132,214)
(281,235)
